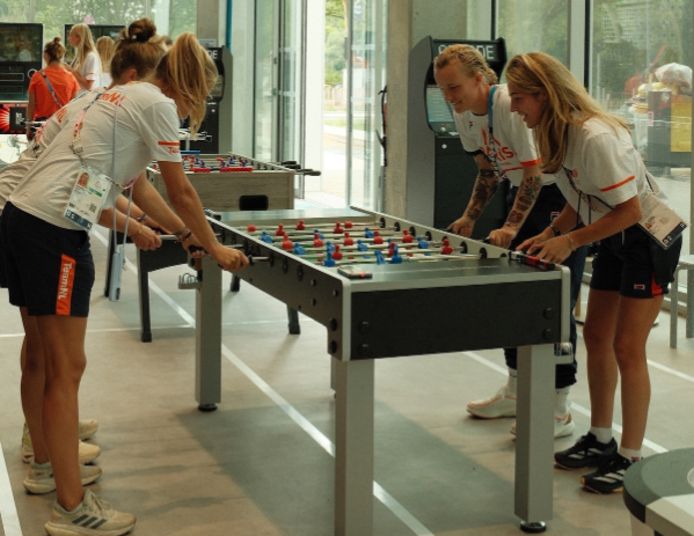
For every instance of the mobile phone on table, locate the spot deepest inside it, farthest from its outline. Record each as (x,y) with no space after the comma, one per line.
(354,272)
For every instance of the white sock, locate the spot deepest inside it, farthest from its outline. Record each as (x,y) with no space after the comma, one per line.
(561,402)
(630,454)
(512,385)
(603,435)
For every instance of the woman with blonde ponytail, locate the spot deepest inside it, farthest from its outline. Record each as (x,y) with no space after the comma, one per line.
(103,146)
(86,66)
(609,192)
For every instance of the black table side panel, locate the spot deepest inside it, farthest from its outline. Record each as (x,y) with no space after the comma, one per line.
(449,319)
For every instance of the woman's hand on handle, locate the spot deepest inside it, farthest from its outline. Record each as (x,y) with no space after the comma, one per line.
(145,238)
(229,259)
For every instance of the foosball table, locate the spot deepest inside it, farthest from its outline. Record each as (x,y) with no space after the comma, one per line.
(385,287)
(223,182)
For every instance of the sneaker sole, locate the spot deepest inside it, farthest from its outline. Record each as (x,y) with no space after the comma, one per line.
(86,432)
(620,489)
(63,530)
(506,415)
(42,489)
(572,467)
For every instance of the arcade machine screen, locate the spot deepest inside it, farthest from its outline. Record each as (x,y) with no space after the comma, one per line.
(439,113)
(98,30)
(20,43)
(21,48)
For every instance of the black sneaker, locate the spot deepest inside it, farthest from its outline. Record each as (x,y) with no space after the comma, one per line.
(587,452)
(609,478)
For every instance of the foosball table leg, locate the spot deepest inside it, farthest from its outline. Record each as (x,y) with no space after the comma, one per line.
(293,321)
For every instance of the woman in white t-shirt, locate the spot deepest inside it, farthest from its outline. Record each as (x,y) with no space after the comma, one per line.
(605,183)
(50,270)
(503,147)
(86,65)
(105,47)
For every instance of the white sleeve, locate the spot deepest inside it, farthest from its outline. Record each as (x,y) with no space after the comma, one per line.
(91,67)
(470,143)
(611,166)
(160,131)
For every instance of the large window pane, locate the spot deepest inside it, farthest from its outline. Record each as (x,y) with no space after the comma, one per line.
(529,25)
(368,55)
(641,70)
(172,17)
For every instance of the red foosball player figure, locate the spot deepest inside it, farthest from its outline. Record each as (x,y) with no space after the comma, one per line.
(348,240)
(446,248)
(300,226)
(338,228)
(287,244)
(280,230)
(317,242)
(337,254)
(378,239)
(407,237)
(348,224)
(250,228)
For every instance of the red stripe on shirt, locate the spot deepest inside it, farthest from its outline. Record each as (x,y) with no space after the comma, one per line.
(66,280)
(531,163)
(628,179)
(170,143)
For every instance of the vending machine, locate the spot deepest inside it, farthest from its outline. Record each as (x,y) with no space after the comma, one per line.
(440,174)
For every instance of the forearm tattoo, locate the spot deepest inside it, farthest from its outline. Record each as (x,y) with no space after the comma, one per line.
(526,196)
(486,184)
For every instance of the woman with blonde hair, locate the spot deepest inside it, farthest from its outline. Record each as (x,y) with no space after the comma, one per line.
(502,147)
(86,65)
(105,47)
(609,191)
(112,140)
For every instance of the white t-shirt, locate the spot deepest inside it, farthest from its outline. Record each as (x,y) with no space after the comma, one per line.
(105,79)
(147,129)
(14,173)
(601,168)
(91,68)
(513,140)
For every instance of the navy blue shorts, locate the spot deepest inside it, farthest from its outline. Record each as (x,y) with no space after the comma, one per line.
(632,263)
(49,269)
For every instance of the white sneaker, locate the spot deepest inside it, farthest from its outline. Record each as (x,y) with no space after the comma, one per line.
(87,451)
(563,426)
(40,479)
(93,517)
(500,405)
(87,428)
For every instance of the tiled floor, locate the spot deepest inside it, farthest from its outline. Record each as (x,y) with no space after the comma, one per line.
(249,469)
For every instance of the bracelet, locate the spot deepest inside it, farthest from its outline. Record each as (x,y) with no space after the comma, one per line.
(141,218)
(572,245)
(185,237)
(178,234)
(555,230)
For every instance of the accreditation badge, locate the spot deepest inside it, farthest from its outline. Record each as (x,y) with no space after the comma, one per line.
(89,194)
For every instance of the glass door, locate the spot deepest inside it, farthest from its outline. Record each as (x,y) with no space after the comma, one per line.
(266,77)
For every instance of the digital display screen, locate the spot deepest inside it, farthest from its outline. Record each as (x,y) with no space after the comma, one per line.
(21,43)
(439,113)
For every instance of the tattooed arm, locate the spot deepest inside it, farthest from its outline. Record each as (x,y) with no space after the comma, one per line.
(525,199)
(486,184)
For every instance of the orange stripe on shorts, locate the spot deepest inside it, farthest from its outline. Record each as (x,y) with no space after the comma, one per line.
(66,279)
